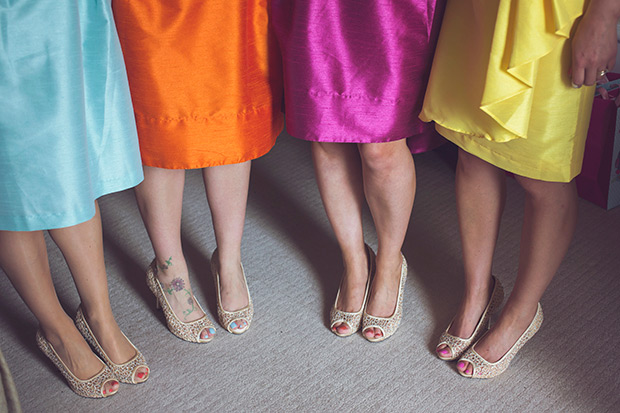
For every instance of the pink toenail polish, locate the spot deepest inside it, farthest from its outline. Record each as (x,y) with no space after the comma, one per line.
(460,365)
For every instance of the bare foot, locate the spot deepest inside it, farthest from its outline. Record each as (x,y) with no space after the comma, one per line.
(496,343)
(352,288)
(173,276)
(384,292)
(75,352)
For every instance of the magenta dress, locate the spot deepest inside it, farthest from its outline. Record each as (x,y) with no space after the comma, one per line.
(356,70)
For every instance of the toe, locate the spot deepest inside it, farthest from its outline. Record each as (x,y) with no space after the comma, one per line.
(369,333)
(141,375)
(443,351)
(464,367)
(343,328)
(110,387)
(238,325)
(207,333)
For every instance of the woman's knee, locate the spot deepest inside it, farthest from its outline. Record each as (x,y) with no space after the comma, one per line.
(382,156)
(542,190)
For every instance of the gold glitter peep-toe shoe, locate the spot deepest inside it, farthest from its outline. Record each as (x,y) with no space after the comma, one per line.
(388,325)
(482,369)
(189,331)
(229,319)
(93,388)
(353,320)
(458,345)
(126,372)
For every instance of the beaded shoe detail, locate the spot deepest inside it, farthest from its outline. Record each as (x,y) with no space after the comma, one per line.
(227,318)
(125,372)
(353,320)
(388,325)
(93,387)
(185,331)
(482,369)
(458,345)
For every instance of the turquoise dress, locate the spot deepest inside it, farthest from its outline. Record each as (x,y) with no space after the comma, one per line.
(67,131)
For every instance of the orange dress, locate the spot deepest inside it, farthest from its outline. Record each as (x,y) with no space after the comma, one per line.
(205,80)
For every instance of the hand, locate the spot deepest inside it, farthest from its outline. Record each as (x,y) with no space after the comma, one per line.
(595,42)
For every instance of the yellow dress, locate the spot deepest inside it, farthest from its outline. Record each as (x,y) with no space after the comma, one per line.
(500,86)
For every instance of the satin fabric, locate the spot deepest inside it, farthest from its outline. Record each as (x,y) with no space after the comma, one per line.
(500,88)
(205,78)
(67,133)
(356,70)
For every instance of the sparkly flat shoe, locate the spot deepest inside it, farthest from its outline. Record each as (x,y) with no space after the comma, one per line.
(93,388)
(229,319)
(482,369)
(388,325)
(458,345)
(185,331)
(126,372)
(353,320)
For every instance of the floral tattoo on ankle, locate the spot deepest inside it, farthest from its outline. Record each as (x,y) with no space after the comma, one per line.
(166,265)
(178,285)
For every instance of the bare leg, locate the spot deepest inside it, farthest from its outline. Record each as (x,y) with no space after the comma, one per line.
(548,226)
(339,178)
(227,193)
(480,198)
(82,247)
(389,185)
(160,199)
(23,257)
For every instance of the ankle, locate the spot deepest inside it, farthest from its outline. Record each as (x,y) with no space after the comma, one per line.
(226,258)
(354,256)
(56,332)
(478,291)
(97,314)
(168,266)
(389,265)
(517,314)
(228,267)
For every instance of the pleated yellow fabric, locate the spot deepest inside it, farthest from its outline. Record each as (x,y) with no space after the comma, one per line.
(500,86)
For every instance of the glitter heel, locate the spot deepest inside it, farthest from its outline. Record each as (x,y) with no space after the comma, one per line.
(229,319)
(482,369)
(353,320)
(388,325)
(458,345)
(185,331)
(93,388)
(125,372)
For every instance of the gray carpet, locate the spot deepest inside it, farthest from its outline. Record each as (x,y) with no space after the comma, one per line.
(289,360)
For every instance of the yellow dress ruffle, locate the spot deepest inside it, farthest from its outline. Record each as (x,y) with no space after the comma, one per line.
(500,87)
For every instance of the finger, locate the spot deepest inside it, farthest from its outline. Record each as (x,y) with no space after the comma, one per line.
(611,64)
(577,75)
(590,76)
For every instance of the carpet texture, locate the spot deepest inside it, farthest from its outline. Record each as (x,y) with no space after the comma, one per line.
(289,360)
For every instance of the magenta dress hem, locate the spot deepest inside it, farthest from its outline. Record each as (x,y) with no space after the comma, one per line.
(356,71)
